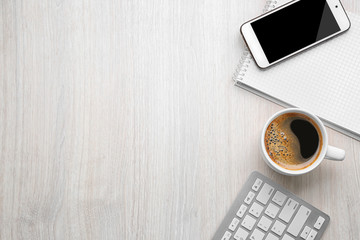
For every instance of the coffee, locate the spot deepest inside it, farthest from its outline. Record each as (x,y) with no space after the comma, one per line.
(293,141)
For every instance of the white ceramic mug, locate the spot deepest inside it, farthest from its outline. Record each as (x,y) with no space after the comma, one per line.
(326,151)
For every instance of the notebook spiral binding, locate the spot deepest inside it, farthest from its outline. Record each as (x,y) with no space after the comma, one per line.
(246,57)
(242,66)
(269,5)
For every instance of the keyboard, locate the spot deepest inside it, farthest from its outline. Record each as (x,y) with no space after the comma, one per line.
(264,210)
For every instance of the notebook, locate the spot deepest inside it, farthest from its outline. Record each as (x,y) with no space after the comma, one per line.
(324,79)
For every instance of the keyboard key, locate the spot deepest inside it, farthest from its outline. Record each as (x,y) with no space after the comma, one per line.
(241,211)
(265,193)
(249,197)
(271,236)
(305,232)
(256,209)
(279,198)
(287,237)
(299,221)
(226,236)
(272,210)
(288,210)
(278,227)
(257,235)
(248,222)
(319,222)
(241,234)
(234,224)
(312,235)
(266,211)
(257,184)
(264,223)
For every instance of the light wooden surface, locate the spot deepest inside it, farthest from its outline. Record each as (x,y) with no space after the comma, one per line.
(119,120)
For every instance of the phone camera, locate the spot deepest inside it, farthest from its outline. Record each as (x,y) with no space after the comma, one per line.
(336,6)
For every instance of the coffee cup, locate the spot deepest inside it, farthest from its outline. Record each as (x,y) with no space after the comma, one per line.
(294,142)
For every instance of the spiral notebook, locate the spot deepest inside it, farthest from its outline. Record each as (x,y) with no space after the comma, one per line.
(324,80)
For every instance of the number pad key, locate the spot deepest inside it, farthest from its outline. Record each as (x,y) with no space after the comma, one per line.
(257,235)
(312,235)
(272,210)
(256,209)
(241,234)
(271,236)
(249,197)
(287,237)
(299,221)
(264,223)
(279,198)
(257,184)
(319,222)
(278,228)
(305,232)
(248,222)
(241,211)
(234,224)
(288,210)
(226,236)
(265,193)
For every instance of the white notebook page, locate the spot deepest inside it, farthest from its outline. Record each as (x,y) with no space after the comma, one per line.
(324,80)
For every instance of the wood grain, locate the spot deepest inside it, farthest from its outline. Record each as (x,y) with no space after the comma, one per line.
(119,120)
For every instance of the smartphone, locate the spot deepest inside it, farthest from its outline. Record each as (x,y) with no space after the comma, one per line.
(292,28)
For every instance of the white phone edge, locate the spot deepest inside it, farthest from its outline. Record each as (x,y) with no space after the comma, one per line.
(256,49)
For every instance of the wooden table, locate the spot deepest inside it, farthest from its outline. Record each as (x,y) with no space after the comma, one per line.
(119,120)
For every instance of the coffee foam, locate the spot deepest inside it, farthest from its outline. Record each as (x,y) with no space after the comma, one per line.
(283,146)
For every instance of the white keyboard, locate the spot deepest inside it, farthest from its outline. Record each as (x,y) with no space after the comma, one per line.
(264,210)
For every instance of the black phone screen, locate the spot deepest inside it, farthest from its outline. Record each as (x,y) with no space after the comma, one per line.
(294,27)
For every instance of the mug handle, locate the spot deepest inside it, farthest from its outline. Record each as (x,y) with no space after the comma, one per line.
(334,153)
